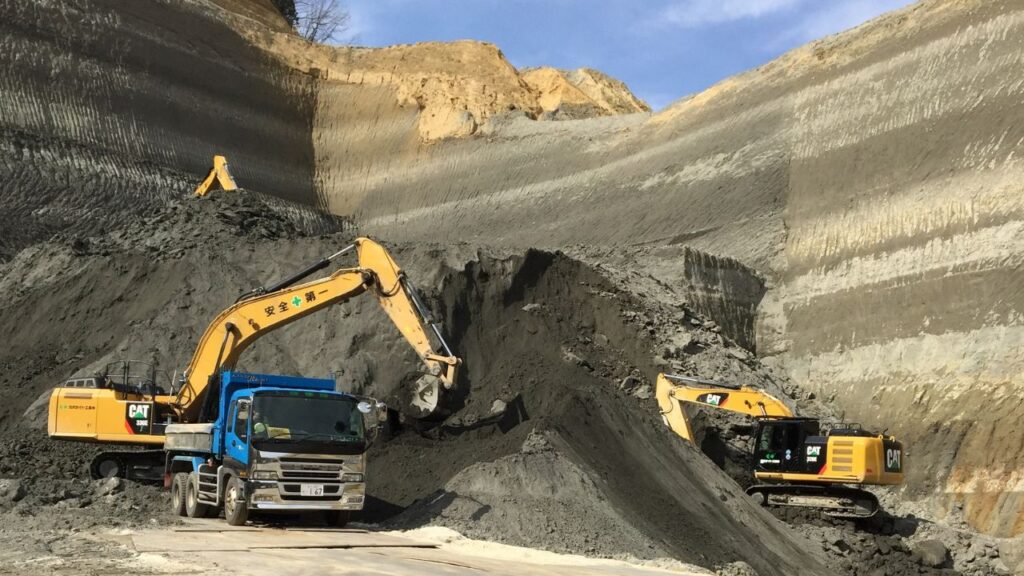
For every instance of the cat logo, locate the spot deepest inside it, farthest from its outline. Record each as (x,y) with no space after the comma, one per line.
(137,417)
(713,398)
(893,460)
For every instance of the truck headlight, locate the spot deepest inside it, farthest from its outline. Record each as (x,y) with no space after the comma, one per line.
(351,477)
(264,475)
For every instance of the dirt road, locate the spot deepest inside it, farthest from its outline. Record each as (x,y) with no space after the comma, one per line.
(213,547)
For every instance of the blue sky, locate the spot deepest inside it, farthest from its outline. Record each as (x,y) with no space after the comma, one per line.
(663,49)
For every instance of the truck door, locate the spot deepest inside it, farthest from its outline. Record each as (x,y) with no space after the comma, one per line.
(236,440)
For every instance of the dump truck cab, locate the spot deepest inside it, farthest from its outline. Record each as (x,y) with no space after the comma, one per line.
(277,444)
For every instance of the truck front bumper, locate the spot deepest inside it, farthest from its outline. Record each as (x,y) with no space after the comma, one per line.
(276,495)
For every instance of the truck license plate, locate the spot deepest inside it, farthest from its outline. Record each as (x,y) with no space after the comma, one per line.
(312,489)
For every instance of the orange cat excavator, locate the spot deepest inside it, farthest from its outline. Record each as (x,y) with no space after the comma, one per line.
(797,462)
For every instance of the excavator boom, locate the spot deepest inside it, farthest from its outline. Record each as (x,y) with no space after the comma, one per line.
(672,391)
(262,311)
(219,178)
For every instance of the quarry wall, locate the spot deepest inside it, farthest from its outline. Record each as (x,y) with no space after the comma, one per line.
(106,106)
(872,183)
(874,178)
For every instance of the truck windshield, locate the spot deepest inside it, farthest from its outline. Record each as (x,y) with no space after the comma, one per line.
(303,417)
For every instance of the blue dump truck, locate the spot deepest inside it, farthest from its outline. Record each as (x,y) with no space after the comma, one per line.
(278,444)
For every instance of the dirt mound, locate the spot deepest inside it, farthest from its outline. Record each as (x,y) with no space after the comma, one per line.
(556,358)
(551,348)
(55,493)
(552,440)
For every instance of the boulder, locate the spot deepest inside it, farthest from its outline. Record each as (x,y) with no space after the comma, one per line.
(737,569)
(11,491)
(107,487)
(932,553)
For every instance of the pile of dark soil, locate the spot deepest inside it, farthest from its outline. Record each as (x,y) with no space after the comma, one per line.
(47,501)
(557,360)
(549,346)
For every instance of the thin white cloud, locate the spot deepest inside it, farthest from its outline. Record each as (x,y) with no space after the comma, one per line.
(694,13)
(836,16)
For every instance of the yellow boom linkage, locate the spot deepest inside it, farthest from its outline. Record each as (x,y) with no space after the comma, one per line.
(743,400)
(218,175)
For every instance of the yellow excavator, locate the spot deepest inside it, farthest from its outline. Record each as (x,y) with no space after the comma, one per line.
(796,462)
(124,405)
(218,178)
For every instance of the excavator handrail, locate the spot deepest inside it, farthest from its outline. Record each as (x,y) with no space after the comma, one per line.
(681,378)
(265,309)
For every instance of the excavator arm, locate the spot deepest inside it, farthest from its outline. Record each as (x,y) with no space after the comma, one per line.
(267,309)
(219,175)
(673,391)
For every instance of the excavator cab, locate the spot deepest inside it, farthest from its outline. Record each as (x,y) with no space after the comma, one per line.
(793,445)
(133,377)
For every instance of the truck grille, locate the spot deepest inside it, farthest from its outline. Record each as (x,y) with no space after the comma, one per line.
(297,471)
(300,470)
(305,475)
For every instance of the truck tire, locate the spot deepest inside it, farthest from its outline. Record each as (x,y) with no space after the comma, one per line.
(193,507)
(236,509)
(178,489)
(337,518)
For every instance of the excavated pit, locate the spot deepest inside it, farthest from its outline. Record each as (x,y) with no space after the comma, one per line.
(552,413)
(551,439)
(861,195)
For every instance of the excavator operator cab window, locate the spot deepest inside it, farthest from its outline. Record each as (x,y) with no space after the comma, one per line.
(780,444)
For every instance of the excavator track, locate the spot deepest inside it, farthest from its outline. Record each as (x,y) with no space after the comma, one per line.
(835,501)
(138,465)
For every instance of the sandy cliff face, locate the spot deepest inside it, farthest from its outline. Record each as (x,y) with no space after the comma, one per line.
(110,105)
(874,179)
(581,93)
(900,292)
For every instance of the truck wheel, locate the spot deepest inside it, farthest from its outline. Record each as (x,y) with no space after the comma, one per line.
(236,509)
(337,518)
(193,507)
(178,489)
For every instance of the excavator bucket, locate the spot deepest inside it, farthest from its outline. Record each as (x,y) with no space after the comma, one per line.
(426,394)
(219,178)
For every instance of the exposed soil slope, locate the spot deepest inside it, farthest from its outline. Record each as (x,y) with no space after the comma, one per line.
(547,336)
(860,197)
(582,93)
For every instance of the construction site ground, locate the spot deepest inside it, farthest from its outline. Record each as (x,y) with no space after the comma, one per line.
(212,547)
(842,227)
